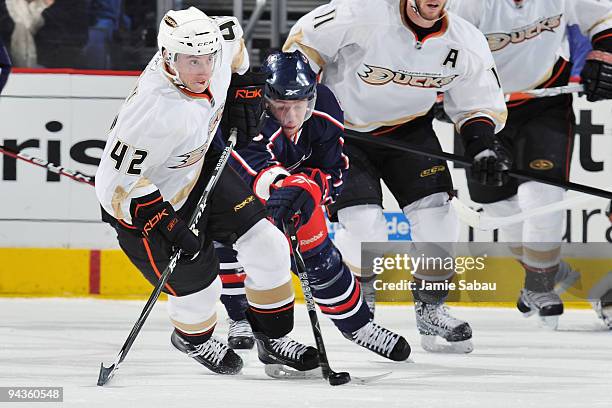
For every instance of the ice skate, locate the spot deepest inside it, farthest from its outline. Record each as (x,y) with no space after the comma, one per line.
(286,351)
(212,354)
(434,320)
(548,305)
(381,341)
(603,308)
(240,335)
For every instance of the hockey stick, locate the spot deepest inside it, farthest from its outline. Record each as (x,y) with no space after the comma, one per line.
(483,222)
(106,373)
(330,375)
(52,167)
(534,93)
(543,92)
(518,174)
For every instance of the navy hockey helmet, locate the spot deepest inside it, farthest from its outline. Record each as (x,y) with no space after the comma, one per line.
(290,92)
(290,76)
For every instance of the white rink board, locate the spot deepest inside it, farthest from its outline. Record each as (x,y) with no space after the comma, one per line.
(41,213)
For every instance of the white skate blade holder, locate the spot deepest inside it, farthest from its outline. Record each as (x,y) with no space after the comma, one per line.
(279,371)
(429,343)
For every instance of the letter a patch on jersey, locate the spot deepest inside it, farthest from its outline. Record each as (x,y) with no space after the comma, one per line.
(451,58)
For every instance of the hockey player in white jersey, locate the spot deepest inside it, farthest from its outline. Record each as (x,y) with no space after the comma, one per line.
(156,164)
(385,60)
(529,42)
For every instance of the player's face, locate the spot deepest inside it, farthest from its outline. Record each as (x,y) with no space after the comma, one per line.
(195,70)
(290,114)
(431,9)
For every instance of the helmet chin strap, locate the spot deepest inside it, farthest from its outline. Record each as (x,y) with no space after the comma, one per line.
(170,62)
(415,8)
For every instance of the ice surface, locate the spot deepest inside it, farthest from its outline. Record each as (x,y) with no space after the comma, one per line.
(61,342)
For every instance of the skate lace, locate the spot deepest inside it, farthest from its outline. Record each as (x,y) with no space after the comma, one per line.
(239,328)
(375,337)
(288,347)
(212,350)
(439,315)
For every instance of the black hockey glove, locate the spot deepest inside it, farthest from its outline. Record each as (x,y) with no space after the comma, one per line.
(244,106)
(157,221)
(490,160)
(295,199)
(597,76)
(438,110)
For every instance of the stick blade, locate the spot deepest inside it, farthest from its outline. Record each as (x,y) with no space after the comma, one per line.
(106,373)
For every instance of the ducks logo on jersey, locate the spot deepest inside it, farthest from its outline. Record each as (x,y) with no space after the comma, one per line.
(374,75)
(498,41)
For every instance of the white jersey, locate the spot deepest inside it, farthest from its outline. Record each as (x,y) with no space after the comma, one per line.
(527,41)
(383,76)
(162,132)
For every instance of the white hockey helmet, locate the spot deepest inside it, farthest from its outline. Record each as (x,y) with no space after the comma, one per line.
(188,32)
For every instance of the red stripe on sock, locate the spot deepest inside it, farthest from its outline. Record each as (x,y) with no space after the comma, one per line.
(345,306)
(233,278)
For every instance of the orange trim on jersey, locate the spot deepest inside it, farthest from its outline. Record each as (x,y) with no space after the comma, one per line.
(485,120)
(154,266)
(438,33)
(595,39)
(387,130)
(405,19)
(146,204)
(126,225)
(546,85)
(203,95)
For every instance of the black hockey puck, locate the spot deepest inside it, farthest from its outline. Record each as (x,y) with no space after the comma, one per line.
(339,378)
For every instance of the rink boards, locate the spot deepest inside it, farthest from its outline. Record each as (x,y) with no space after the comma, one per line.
(53,244)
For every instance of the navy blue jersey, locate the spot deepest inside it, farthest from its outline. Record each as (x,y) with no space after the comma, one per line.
(318,145)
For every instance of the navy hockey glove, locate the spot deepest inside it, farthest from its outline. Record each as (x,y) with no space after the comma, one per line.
(244,106)
(297,197)
(490,160)
(157,221)
(597,76)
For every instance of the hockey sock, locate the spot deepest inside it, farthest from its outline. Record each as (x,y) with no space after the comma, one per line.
(540,279)
(429,296)
(335,289)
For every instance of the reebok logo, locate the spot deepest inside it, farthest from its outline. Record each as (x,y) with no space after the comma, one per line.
(311,239)
(248,93)
(246,201)
(153,221)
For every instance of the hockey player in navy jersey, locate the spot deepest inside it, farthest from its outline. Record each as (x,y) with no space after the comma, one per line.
(295,165)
